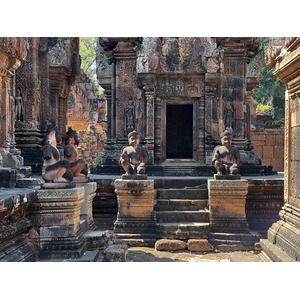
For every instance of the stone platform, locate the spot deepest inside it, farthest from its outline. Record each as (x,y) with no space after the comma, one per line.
(229,226)
(86,209)
(56,214)
(135,222)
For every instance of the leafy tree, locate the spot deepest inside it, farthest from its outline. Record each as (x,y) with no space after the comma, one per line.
(270,90)
(88,46)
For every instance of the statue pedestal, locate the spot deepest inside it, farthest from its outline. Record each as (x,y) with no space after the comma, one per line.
(57,216)
(135,222)
(229,226)
(86,210)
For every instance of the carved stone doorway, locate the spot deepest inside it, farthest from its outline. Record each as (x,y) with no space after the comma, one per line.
(179,131)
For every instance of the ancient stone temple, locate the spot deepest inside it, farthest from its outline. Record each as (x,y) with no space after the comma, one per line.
(42,87)
(180,94)
(284,236)
(86,115)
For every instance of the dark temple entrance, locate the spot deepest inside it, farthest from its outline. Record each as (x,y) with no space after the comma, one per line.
(179,131)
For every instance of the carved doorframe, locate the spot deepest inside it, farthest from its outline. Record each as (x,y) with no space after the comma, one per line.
(163,128)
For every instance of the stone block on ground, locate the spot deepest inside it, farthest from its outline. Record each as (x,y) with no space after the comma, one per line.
(96,239)
(115,253)
(201,245)
(170,245)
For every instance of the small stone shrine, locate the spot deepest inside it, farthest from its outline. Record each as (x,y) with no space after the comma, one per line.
(180,94)
(227,200)
(135,222)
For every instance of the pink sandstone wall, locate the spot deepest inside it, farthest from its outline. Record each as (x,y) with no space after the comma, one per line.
(269,146)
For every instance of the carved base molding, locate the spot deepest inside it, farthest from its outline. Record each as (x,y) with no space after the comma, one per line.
(57,215)
(284,235)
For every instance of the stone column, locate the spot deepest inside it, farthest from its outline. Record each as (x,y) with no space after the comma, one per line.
(56,214)
(229,227)
(135,222)
(86,210)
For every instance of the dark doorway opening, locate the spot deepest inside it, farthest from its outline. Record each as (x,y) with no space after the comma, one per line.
(179,131)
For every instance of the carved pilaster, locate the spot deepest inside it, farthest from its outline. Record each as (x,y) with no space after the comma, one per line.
(201,131)
(12,52)
(149,89)
(249,146)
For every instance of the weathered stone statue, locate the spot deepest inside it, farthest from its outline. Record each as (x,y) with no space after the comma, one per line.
(226,158)
(54,170)
(134,157)
(77,166)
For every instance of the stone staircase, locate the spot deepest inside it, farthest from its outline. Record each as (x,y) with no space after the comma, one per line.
(179,171)
(182,211)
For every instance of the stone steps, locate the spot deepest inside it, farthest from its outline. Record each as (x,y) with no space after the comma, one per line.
(184,231)
(181,204)
(179,171)
(182,212)
(136,240)
(182,193)
(234,241)
(180,182)
(182,216)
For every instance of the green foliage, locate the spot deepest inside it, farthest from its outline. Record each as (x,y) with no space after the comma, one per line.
(262,109)
(87,51)
(271,89)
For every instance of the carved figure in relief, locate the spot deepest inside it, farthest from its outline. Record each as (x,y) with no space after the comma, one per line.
(54,169)
(19,106)
(229,115)
(134,157)
(130,117)
(77,166)
(226,158)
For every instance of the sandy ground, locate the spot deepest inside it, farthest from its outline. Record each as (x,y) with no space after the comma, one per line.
(145,254)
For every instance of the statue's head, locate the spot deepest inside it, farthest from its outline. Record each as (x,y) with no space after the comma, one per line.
(134,138)
(52,135)
(226,138)
(71,134)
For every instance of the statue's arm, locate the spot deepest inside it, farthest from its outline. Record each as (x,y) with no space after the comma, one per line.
(145,155)
(215,155)
(47,151)
(237,157)
(68,150)
(124,156)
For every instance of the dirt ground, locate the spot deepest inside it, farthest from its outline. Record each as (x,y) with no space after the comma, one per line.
(145,254)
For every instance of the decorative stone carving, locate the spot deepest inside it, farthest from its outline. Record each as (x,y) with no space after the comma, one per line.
(130,117)
(57,215)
